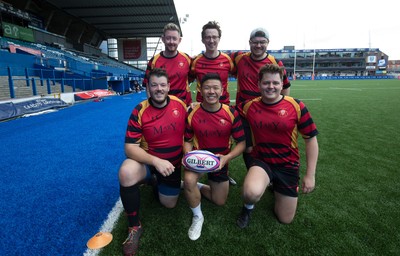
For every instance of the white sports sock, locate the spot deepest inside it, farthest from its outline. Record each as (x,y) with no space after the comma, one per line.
(200,185)
(249,206)
(197,211)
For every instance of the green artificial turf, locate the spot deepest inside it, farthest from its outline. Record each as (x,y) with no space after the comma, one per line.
(354,209)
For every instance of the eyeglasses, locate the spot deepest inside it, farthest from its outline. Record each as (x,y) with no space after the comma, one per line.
(208,38)
(259,42)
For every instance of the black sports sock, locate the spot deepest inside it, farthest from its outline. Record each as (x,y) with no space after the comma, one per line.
(130,197)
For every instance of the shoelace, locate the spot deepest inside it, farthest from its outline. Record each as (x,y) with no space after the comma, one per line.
(193,227)
(132,233)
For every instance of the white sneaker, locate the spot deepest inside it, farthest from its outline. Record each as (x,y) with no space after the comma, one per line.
(231,181)
(195,229)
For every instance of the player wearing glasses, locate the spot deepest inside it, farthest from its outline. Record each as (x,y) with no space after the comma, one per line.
(212,61)
(248,65)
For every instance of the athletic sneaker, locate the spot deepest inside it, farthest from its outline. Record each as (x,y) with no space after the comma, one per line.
(195,229)
(131,244)
(232,181)
(244,218)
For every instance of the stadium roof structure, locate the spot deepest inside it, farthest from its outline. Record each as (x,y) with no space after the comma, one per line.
(109,18)
(122,18)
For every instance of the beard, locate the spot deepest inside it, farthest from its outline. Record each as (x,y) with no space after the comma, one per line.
(159,101)
(171,48)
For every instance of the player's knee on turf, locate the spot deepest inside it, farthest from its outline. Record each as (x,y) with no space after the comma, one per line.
(168,201)
(219,192)
(219,201)
(284,218)
(285,208)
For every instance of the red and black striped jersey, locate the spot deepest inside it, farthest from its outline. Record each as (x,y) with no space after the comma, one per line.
(247,75)
(223,65)
(213,131)
(159,131)
(275,128)
(178,70)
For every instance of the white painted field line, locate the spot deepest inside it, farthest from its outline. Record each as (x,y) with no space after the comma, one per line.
(299,99)
(348,89)
(108,225)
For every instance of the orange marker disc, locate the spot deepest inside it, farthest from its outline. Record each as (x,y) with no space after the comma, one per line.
(99,240)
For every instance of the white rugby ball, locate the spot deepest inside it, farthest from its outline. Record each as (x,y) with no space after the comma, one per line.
(201,161)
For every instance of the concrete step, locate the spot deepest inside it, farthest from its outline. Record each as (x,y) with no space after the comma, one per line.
(21,89)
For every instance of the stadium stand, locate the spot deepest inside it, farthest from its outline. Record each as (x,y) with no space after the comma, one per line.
(60,46)
(344,63)
(78,70)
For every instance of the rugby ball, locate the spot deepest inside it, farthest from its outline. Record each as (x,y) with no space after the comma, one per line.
(201,161)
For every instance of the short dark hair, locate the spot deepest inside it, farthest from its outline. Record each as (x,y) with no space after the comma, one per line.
(271,69)
(158,72)
(210,76)
(211,25)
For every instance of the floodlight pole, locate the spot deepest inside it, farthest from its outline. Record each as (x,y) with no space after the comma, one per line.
(158,42)
(183,21)
(313,66)
(294,66)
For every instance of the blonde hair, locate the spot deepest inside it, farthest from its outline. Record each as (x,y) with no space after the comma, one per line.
(173,27)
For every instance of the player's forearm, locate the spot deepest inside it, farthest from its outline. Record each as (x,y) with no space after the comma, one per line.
(135,152)
(187,147)
(237,150)
(311,155)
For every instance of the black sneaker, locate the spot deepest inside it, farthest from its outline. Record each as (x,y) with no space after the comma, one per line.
(131,244)
(244,218)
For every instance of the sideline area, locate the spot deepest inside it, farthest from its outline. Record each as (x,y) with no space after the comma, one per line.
(15,108)
(59,175)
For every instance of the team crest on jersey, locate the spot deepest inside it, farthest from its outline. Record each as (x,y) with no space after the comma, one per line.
(176,113)
(223,122)
(221,64)
(181,64)
(282,113)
